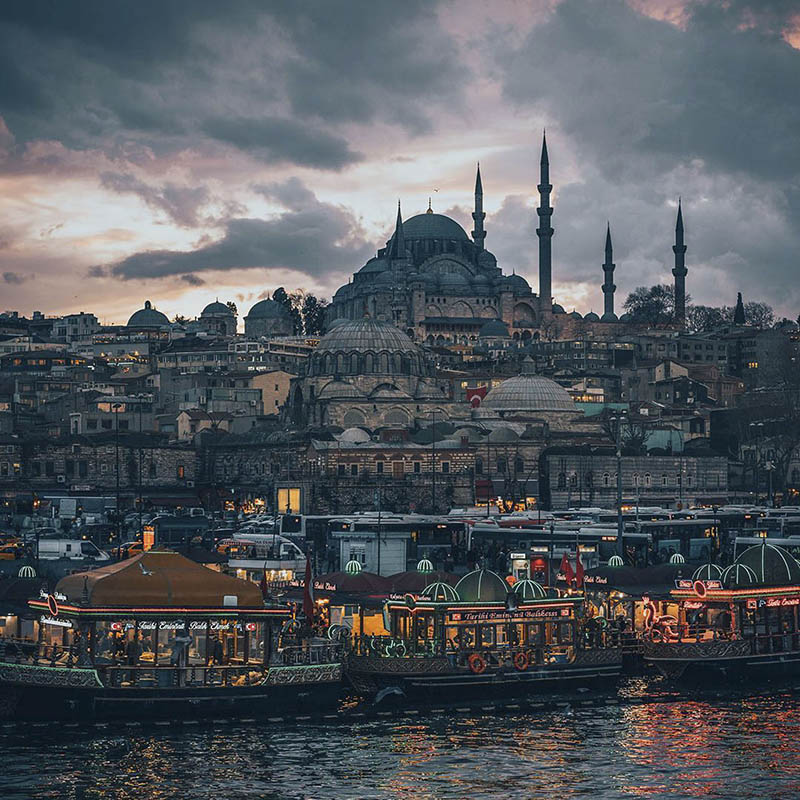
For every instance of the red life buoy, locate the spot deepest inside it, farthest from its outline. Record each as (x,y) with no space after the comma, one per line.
(521,661)
(477,663)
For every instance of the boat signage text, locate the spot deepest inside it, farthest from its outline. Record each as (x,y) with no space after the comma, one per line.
(508,616)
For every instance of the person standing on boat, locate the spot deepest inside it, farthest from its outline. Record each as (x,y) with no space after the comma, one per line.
(133,650)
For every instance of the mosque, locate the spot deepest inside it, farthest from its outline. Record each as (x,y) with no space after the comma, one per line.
(440,286)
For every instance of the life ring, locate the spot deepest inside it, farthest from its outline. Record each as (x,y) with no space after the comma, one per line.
(521,661)
(477,663)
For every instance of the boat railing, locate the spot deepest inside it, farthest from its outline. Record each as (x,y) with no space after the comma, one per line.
(302,655)
(699,635)
(27,651)
(147,676)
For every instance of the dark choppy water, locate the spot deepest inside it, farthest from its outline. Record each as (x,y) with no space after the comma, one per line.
(742,748)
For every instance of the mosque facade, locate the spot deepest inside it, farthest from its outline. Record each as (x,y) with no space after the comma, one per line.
(441,286)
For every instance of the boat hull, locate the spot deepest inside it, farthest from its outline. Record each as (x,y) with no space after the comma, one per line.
(30,692)
(437,679)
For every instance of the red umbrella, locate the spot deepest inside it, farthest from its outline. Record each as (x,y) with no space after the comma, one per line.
(566,569)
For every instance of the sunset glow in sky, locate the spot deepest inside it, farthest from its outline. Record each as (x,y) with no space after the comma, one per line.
(184,151)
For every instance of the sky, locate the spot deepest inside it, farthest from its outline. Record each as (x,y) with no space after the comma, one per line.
(192,150)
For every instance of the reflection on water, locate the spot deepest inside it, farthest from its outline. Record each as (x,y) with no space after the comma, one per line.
(743,748)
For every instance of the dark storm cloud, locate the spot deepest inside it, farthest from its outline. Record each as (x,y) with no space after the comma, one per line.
(180,203)
(292,194)
(283,140)
(193,280)
(314,238)
(624,84)
(650,111)
(276,80)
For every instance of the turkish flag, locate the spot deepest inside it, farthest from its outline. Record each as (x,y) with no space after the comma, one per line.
(566,569)
(579,571)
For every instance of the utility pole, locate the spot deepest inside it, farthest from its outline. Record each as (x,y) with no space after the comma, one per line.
(620,548)
(115,408)
(433,461)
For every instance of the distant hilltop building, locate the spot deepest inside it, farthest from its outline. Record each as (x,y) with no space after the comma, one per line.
(440,286)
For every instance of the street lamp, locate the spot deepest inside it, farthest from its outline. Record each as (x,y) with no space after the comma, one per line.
(758,431)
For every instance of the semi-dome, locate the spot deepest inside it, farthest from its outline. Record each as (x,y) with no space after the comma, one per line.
(433,226)
(216,308)
(493,328)
(374,265)
(340,390)
(529,590)
(268,309)
(366,334)
(576,315)
(366,347)
(517,283)
(482,586)
(337,322)
(441,592)
(529,393)
(737,576)
(147,317)
(772,565)
(355,435)
(707,572)
(453,279)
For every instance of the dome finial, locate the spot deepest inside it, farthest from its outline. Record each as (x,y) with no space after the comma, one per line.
(430,210)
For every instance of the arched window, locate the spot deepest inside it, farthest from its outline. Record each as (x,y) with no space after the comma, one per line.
(606,479)
(635,478)
(369,363)
(647,479)
(664,480)
(479,466)
(501,465)
(519,465)
(354,370)
(562,480)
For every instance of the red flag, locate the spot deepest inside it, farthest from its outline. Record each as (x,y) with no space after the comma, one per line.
(566,569)
(308,599)
(578,571)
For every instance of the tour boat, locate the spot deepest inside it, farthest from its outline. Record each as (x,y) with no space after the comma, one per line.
(738,622)
(160,635)
(481,637)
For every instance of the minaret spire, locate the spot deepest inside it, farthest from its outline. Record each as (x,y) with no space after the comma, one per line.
(679,270)
(398,249)
(738,313)
(478,215)
(608,271)
(545,231)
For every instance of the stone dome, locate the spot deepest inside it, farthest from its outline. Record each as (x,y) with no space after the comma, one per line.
(494,328)
(147,317)
(592,317)
(337,322)
(772,565)
(609,316)
(268,309)
(529,590)
(373,265)
(216,308)
(517,283)
(576,315)
(557,309)
(366,346)
(453,279)
(482,586)
(433,226)
(529,393)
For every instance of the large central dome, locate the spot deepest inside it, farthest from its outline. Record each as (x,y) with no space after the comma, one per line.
(433,226)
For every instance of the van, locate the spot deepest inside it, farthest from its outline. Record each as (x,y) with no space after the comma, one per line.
(74,549)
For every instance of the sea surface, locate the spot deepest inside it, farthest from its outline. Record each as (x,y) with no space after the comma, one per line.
(734,747)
